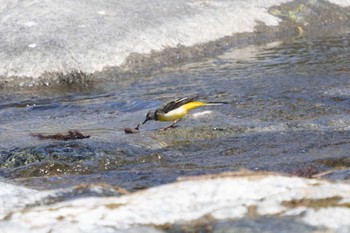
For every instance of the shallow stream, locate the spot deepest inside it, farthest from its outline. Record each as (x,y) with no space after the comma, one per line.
(288,110)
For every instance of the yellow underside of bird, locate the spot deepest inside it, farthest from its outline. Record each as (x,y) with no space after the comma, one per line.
(180,112)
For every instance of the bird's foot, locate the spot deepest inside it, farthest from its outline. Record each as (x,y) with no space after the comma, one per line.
(169,127)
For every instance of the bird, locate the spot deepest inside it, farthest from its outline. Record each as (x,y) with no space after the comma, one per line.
(176,110)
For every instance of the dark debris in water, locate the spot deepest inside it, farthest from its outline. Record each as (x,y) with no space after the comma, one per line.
(132,130)
(72,135)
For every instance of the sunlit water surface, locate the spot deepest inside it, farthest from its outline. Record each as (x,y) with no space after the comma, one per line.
(289,106)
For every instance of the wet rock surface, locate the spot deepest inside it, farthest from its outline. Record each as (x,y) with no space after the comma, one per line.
(233,202)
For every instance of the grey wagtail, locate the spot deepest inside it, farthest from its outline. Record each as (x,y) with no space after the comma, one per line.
(176,110)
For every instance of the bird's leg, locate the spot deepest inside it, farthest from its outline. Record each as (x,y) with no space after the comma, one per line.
(173,125)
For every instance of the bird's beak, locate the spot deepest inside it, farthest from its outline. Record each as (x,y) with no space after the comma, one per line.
(145,121)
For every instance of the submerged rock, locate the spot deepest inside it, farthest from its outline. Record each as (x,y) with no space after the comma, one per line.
(228,200)
(342,175)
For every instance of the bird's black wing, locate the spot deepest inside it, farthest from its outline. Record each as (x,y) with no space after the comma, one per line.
(176,103)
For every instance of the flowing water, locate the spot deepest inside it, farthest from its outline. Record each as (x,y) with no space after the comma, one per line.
(282,67)
(288,109)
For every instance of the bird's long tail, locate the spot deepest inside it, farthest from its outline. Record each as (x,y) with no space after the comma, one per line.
(195,104)
(216,103)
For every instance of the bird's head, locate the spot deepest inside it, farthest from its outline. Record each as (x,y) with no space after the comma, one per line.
(150,116)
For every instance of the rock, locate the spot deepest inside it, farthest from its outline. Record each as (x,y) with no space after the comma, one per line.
(46,42)
(46,38)
(228,197)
